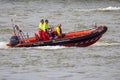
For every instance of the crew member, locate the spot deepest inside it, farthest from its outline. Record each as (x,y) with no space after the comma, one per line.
(45,26)
(58,30)
(41,29)
(41,24)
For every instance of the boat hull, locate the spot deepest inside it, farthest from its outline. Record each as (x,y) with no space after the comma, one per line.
(79,39)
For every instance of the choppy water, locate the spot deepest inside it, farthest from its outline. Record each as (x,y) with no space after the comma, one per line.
(100,61)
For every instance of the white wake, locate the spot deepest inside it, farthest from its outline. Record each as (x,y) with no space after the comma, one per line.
(3,45)
(105,44)
(51,47)
(110,8)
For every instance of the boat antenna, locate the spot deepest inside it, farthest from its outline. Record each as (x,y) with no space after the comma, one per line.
(12,21)
(95,25)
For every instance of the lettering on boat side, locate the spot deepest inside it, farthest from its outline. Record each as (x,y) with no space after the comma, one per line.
(35,44)
(60,41)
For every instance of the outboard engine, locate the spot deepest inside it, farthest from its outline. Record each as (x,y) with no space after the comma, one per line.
(14,40)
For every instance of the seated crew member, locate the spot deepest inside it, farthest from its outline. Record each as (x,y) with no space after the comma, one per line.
(59,30)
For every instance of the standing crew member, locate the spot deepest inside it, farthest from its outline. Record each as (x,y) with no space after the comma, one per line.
(45,26)
(41,24)
(41,29)
(45,31)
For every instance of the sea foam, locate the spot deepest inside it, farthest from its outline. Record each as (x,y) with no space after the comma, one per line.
(109,8)
(100,9)
(3,45)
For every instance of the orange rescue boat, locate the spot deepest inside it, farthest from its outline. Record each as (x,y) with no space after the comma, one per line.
(79,39)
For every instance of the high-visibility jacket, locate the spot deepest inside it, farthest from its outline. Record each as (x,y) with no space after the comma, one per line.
(58,30)
(41,26)
(45,26)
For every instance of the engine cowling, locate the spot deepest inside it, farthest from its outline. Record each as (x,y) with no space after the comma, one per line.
(14,40)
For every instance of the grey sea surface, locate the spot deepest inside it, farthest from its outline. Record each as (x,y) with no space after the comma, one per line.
(100,61)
